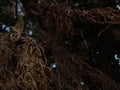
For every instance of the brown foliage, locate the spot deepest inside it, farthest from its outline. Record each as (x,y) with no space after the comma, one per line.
(26,63)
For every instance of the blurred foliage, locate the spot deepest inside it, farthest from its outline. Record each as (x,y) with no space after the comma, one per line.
(7,17)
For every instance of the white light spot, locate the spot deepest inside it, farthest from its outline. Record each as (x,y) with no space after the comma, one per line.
(19,9)
(76,4)
(118,6)
(116,57)
(97,52)
(22,14)
(82,83)
(39,1)
(3,26)
(53,65)
(7,29)
(30,32)
(20,5)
